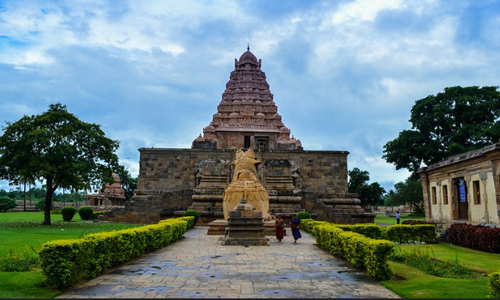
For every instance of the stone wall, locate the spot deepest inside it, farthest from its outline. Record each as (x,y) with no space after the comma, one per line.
(150,207)
(323,173)
(172,180)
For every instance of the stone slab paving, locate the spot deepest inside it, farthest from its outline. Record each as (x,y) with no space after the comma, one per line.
(198,266)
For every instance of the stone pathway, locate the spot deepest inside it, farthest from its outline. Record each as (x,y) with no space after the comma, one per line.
(198,266)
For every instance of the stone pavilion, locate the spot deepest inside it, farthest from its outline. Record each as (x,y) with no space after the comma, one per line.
(174,180)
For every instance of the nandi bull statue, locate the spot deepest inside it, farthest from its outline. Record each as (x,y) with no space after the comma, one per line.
(246,184)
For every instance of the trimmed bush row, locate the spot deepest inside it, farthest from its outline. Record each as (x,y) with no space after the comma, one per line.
(361,251)
(369,230)
(495,285)
(396,233)
(191,221)
(68,262)
(477,237)
(416,222)
(411,233)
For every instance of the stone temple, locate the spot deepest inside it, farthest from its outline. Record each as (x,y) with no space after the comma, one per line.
(174,180)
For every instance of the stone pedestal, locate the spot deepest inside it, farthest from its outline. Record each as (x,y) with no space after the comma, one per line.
(245,227)
(218,227)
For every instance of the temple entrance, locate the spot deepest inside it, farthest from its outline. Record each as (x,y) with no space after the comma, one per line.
(461,203)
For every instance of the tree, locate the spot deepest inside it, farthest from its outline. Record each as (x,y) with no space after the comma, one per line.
(407,192)
(129,183)
(369,194)
(58,148)
(456,121)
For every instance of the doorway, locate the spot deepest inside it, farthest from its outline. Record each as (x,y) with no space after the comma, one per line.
(462,203)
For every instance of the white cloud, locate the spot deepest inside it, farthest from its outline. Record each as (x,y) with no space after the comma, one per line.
(363,10)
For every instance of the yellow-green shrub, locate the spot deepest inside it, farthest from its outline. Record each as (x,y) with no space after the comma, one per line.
(495,284)
(309,224)
(411,233)
(369,230)
(67,262)
(361,251)
(190,219)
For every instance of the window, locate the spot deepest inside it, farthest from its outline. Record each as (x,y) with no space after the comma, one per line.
(433,195)
(247,142)
(476,192)
(445,194)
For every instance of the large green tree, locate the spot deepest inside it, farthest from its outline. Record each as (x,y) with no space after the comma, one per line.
(369,194)
(458,120)
(56,147)
(407,192)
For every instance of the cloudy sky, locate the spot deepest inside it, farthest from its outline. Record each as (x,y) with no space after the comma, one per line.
(344,74)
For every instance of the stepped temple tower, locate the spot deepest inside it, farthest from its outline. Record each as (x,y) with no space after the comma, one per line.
(174,180)
(247,116)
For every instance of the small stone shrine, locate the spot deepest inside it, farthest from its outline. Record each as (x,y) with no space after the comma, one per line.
(245,226)
(174,180)
(110,195)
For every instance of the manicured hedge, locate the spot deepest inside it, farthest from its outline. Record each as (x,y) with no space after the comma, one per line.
(477,237)
(95,214)
(68,212)
(361,251)
(194,213)
(303,215)
(85,212)
(495,285)
(309,224)
(411,233)
(369,230)
(190,219)
(415,222)
(68,262)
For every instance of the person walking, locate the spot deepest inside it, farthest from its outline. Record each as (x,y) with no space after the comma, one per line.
(295,224)
(398,217)
(279,226)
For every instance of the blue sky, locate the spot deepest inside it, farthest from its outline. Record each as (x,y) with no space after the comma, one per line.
(344,74)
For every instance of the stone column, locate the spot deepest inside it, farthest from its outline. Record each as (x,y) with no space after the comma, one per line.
(439,199)
(425,189)
(484,196)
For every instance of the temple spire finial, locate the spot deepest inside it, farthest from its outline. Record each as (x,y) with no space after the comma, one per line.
(248,47)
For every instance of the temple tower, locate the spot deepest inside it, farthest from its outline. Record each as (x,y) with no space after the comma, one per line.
(247,116)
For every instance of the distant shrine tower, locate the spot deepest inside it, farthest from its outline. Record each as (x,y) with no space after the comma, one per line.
(247,116)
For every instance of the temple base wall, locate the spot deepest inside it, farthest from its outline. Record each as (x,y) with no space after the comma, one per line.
(173,180)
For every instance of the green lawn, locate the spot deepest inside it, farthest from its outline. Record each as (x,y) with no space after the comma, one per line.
(31,216)
(381,219)
(20,230)
(412,283)
(24,285)
(480,261)
(17,234)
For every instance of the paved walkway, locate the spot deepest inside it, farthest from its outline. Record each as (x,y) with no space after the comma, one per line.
(198,266)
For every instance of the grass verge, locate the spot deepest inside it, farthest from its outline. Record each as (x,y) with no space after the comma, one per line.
(24,285)
(32,216)
(412,283)
(476,260)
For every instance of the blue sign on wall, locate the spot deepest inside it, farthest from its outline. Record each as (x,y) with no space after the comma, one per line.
(462,191)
